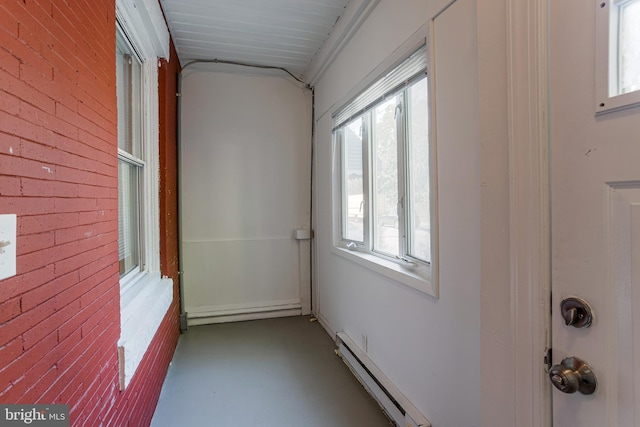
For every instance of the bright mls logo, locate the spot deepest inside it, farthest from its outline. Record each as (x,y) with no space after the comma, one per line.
(34,415)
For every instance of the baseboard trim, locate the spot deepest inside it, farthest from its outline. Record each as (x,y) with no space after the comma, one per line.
(391,399)
(225,314)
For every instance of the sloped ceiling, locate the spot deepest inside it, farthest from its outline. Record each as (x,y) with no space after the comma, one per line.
(279,33)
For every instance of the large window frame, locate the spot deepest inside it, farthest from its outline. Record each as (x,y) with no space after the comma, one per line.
(610,93)
(365,215)
(145,296)
(131,165)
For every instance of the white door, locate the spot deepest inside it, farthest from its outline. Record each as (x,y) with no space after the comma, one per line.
(595,217)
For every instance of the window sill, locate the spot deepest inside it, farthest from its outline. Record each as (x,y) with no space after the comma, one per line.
(417,279)
(143,308)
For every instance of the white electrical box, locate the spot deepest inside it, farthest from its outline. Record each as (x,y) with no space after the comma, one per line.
(8,245)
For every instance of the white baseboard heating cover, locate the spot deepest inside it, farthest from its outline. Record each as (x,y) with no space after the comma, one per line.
(395,404)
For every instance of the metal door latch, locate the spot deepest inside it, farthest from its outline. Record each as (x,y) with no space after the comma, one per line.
(576,312)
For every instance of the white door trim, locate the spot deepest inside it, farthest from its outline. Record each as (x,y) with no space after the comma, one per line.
(527,53)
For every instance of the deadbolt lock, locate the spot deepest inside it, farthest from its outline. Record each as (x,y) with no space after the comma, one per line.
(573,375)
(576,312)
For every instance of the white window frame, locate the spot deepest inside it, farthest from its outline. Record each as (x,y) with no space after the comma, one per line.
(134,276)
(607,97)
(145,296)
(405,269)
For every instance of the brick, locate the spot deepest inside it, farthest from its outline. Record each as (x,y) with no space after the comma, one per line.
(14,392)
(22,128)
(34,392)
(78,176)
(97,216)
(108,112)
(51,122)
(80,261)
(12,84)
(24,322)
(48,360)
(49,290)
(10,26)
(71,295)
(37,332)
(9,145)
(9,103)
(17,166)
(27,205)
(42,223)
(108,204)
(72,326)
(28,358)
(108,123)
(22,283)
(109,262)
(108,145)
(102,317)
(75,205)
(38,259)
(97,192)
(104,282)
(9,186)
(9,309)
(40,188)
(35,242)
(82,232)
(11,351)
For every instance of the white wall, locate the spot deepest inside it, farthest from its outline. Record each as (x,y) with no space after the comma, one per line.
(432,349)
(245,188)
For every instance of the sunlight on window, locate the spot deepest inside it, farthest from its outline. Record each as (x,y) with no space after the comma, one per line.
(385,177)
(353,215)
(629,49)
(418,140)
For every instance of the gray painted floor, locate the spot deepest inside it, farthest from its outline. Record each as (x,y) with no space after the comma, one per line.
(264,373)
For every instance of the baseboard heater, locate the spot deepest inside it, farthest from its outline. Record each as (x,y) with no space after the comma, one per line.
(399,409)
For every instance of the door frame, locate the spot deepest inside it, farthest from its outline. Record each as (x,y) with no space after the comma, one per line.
(529,206)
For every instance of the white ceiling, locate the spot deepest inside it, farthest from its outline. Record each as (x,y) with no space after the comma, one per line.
(279,33)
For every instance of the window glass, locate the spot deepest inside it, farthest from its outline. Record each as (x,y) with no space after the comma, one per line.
(128,217)
(418,172)
(629,46)
(384,141)
(130,164)
(353,181)
(128,74)
(385,177)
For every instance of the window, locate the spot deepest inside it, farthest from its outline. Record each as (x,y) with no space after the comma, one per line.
(618,54)
(145,296)
(382,138)
(629,46)
(130,163)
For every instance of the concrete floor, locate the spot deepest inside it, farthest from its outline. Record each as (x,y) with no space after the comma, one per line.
(264,373)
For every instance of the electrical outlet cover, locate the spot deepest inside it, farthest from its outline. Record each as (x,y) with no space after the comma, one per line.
(8,245)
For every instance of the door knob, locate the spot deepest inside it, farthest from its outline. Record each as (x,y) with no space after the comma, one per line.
(573,375)
(576,312)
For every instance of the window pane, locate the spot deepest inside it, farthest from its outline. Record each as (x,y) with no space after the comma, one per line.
(128,217)
(629,49)
(353,182)
(128,87)
(385,177)
(419,238)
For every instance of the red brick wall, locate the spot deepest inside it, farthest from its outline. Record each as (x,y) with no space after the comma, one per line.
(59,316)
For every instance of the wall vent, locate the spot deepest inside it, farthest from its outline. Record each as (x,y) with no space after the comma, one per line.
(399,409)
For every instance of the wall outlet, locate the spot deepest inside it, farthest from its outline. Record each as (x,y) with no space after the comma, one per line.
(364,343)
(8,245)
